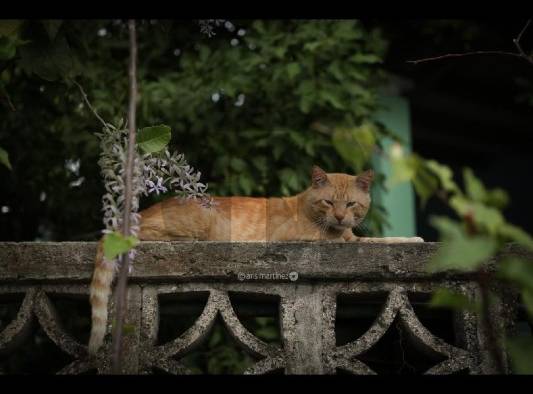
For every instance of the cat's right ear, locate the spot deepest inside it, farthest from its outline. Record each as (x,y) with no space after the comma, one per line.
(319,177)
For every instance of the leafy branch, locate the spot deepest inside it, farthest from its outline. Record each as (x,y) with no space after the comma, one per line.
(470,243)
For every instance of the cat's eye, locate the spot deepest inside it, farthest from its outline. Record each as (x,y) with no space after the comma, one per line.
(329,202)
(350,204)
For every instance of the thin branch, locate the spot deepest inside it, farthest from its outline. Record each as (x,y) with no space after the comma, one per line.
(84,95)
(7,99)
(121,292)
(522,31)
(429,59)
(516,41)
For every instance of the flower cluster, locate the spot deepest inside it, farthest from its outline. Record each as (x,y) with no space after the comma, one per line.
(152,173)
(163,171)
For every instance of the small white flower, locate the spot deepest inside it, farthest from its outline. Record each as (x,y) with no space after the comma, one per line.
(240,100)
(228,25)
(156,187)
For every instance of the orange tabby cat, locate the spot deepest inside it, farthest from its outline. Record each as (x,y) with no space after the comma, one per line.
(327,210)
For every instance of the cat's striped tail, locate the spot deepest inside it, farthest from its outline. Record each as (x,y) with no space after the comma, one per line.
(100,290)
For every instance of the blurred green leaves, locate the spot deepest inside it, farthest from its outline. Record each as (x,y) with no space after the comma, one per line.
(50,60)
(459,250)
(473,240)
(446,298)
(521,350)
(520,272)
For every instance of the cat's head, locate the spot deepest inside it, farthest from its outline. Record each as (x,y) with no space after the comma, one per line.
(339,201)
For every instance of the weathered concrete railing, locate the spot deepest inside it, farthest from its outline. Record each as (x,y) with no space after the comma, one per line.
(306,279)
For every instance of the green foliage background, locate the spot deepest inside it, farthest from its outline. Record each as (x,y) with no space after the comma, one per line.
(252,111)
(254,108)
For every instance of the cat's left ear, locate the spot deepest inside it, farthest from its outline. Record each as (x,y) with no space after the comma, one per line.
(364,181)
(319,177)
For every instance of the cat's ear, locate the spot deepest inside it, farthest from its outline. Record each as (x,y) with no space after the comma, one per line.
(364,180)
(319,177)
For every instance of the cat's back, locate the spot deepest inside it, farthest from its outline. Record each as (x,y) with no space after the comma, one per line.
(251,218)
(232,218)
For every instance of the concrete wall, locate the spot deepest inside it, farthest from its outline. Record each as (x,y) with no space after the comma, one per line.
(306,277)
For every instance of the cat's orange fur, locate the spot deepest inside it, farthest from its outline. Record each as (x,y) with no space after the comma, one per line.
(327,210)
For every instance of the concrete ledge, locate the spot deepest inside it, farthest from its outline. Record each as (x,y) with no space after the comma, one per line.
(195,260)
(222,261)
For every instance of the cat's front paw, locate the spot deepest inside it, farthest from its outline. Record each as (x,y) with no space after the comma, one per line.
(416,239)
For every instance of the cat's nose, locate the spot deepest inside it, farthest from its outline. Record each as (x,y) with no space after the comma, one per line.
(339,217)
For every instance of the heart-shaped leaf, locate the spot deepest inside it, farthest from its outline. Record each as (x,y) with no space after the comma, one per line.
(116,244)
(153,139)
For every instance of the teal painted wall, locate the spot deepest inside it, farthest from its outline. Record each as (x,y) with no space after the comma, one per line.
(399,201)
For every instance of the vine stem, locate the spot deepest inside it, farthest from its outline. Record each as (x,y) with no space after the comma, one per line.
(88,103)
(493,341)
(121,291)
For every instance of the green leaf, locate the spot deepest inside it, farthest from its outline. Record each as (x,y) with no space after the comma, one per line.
(8,47)
(448,229)
(450,299)
(365,58)
(355,145)
(445,175)
(312,46)
(4,158)
(516,234)
(334,70)
(425,184)
(237,164)
(246,183)
(473,186)
(154,139)
(517,270)
(404,169)
(332,98)
(520,351)
(488,218)
(527,298)
(459,251)
(497,198)
(116,244)
(465,254)
(289,179)
(293,69)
